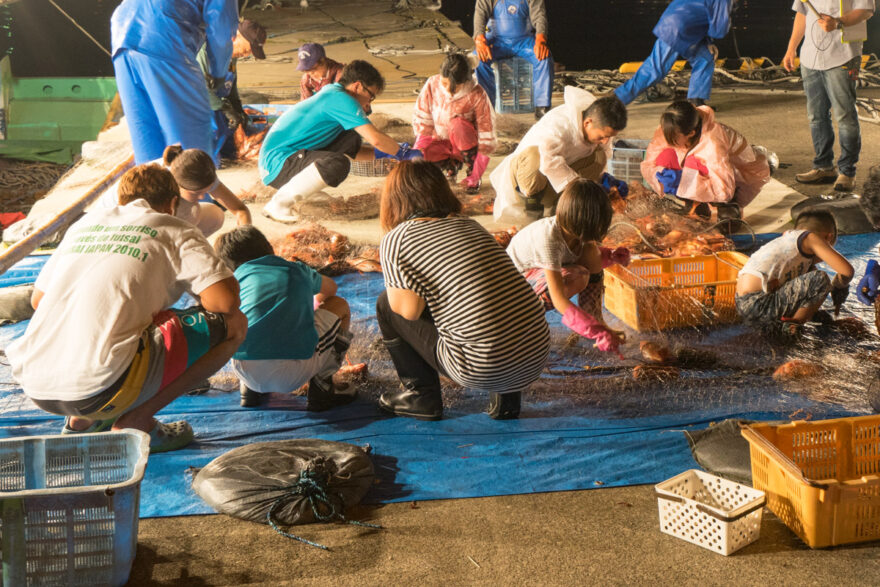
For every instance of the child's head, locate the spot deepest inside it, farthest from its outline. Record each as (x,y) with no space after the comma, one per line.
(583,210)
(193,169)
(681,124)
(413,189)
(819,222)
(456,70)
(153,183)
(242,244)
(603,119)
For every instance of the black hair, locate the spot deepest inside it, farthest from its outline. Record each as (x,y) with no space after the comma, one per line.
(870,200)
(193,169)
(817,221)
(456,69)
(584,211)
(361,71)
(681,117)
(607,111)
(242,244)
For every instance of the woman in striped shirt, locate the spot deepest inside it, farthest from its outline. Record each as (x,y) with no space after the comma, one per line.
(454,302)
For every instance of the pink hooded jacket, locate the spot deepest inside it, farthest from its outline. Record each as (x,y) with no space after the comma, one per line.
(721,167)
(435,107)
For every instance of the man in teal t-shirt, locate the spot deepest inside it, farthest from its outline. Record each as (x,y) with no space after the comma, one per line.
(308,148)
(290,341)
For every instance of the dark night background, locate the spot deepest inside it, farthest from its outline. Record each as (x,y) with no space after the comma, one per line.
(583,34)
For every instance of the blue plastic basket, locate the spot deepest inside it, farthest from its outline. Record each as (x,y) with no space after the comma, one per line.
(69,507)
(513,86)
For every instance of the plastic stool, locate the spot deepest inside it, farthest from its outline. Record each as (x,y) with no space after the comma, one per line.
(513,86)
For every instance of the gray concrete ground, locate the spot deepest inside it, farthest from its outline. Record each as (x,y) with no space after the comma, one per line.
(607,536)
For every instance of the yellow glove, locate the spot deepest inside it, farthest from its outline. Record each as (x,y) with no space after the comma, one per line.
(483,51)
(541,50)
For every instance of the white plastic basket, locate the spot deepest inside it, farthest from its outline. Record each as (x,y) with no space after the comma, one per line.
(712,512)
(69,507)
(626,159)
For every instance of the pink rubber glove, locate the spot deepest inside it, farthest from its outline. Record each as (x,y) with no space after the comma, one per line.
(667,158)
(618,256)
(480,164)
(588,327)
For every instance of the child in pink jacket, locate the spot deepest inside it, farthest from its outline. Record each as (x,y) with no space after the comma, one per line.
(695,158)
(453,122)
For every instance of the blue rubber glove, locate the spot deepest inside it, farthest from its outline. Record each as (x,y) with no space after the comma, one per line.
(867,288)
(669,179)
(608,181)
(404,153)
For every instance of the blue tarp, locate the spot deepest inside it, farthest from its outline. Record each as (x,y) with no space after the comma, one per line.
(570,436)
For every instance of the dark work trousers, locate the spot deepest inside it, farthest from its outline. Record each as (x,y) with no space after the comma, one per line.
(419,334)
(331,161)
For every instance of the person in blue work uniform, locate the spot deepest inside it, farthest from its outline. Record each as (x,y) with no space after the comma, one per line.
(516,28)
(160,84)
(686,28)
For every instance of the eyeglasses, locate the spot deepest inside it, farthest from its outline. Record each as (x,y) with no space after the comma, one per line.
(367,90)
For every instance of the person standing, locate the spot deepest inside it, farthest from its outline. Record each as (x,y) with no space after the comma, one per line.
(514,28)
(830,61)
(160,84)
(687,28)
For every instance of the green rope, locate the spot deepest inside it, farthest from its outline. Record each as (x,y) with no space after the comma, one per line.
(312,485)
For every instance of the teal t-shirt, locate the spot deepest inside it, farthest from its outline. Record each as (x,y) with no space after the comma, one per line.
(310,124)
(277,298)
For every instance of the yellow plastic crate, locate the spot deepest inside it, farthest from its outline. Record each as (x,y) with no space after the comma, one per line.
(658,294)
(821,478)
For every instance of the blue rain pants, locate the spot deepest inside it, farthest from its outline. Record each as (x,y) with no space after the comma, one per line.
(658,64)
(511,35)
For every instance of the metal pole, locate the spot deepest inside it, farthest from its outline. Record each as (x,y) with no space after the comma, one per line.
(31,242)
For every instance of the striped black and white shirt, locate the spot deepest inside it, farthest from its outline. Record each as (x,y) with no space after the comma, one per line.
(491,326)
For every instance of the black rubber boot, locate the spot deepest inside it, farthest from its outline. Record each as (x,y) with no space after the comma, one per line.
(324,393)
(419,394)
(249,397)
(505,406)
(540,111)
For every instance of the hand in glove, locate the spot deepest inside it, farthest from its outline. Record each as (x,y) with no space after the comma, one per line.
(694,163)
(404,153)
(618,256)
(541,50)
(588,327)
(608,181)
(669,179)
(483,51)
(668,158)
(869,284)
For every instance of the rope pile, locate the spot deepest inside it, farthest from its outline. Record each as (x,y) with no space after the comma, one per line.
(22,182)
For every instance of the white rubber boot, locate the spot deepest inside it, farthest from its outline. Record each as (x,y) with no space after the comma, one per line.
(304,184)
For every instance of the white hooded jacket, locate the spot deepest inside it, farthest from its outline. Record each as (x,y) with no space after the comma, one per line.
(560,139)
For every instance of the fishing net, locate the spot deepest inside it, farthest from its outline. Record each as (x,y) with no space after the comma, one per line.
(23,182)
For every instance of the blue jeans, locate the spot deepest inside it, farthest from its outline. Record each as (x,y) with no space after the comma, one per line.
(658,64)
(835,89)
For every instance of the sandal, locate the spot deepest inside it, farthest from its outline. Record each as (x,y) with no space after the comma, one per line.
(96,426)
(168,437)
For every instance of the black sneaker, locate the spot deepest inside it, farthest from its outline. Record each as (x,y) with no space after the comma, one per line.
(324,395)
(505,406)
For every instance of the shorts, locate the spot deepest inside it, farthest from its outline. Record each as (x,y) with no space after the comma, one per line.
(805,290)
(538,280)
(285,375)
(175,340)
(332,161)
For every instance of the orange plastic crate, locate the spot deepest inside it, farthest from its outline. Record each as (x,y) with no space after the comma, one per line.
(821,478)
(658,294)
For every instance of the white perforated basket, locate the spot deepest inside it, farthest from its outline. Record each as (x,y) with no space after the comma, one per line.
(712,512)
(373,167)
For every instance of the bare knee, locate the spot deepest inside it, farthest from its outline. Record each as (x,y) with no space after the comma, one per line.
(338,306)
